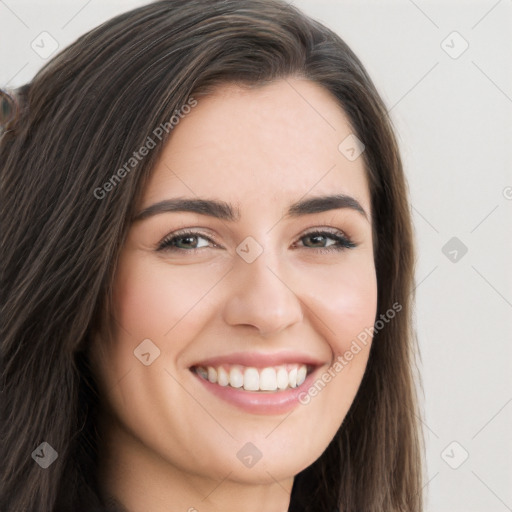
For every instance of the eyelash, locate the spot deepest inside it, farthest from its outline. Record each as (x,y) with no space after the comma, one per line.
(343,241)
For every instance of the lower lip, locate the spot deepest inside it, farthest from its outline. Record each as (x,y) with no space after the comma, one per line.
(260,402)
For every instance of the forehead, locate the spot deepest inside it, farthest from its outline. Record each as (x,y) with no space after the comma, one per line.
(261,144)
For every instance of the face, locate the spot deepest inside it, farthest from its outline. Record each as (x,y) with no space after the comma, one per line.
(229,316)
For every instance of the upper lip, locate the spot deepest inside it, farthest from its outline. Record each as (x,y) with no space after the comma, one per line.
(259,359)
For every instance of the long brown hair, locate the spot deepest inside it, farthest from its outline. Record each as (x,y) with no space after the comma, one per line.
(71,128)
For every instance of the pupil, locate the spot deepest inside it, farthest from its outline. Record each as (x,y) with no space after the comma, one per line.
(188,238)
(313,237)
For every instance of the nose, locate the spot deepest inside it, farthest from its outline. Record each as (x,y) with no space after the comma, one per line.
(261,297)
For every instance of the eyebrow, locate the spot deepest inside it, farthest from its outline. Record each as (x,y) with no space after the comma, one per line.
(225,211)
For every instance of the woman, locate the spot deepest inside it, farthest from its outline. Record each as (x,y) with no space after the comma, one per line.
(253,368)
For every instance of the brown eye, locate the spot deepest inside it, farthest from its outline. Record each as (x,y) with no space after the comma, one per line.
(186,238)
(342,242)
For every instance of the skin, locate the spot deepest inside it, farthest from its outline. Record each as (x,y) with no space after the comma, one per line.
(168,443)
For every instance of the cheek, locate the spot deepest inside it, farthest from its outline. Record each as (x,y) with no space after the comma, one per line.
(345,299)
(151,298)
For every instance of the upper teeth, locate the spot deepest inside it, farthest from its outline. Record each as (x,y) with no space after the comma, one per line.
(254,379)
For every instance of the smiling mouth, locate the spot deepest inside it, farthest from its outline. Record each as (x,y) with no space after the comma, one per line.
(271,379)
